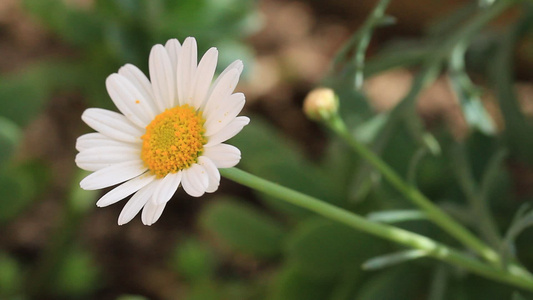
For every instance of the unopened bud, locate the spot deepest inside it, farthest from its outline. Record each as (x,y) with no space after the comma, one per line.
(321,104)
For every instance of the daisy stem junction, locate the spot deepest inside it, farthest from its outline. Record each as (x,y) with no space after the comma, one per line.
(513,275)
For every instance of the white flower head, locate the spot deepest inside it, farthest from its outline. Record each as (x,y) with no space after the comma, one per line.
(170,133)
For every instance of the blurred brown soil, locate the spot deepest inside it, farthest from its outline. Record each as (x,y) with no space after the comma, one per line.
(293,51)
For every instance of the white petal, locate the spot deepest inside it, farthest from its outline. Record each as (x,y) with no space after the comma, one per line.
(204,77)
(166,188)
(92,166)
(212,173)
(113,174)
(124,190)
(152,212)
(223,155)
(236,65)
(221,90)
(173,48)
(234,127)
(97,158)
(137,201)
(112,124)
(125,96)
(96,139)
(187,61)
(162,77)
(221,117)
(195,180)
(140,81)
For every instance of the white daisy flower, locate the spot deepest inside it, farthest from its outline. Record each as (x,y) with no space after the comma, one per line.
(170,133)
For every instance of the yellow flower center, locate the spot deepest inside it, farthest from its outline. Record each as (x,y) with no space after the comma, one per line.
(173,140)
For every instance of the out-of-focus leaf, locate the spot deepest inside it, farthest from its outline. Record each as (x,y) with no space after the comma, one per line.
(80,200)
(19,185)
(230,51)
(207,19)
(398,55)
(367,131)
(243,228)
(131,297)
(518,130)
(437,289)
(24,94)
(10,135)
(401,282)
(395,216)
(469,95)
(444,25)
(517,296)
(492,173)
(324,249)
(76,26)
(193,260)
(414,165)
(269,154)
(10,276)
(475,287)
(207,289)
(522,220)
(78,274)
(22,97)
(388,260)
(292,283)
(240,289)
(204,290)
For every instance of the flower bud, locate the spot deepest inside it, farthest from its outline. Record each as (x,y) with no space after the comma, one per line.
(321,104)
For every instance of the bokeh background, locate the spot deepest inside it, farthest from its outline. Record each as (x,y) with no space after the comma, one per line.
(236,244)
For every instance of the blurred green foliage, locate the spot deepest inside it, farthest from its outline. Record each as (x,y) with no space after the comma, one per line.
(98,40)
(299,255)
(227,219)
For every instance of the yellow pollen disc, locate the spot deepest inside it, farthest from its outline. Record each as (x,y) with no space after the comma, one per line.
(173,140)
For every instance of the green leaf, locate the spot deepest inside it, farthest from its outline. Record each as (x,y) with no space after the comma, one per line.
(395,216)
(292,283)
(324,249)
(204,290)
(19,185)
(439,283)
(77,275)
(10,276)
(367,131)
(24,94)
(444,25)
(76,26)
(10,135)
(194,260)
(517,296)
(393,284)
(522,220)
(243,227)
(131,297)
(468,94)
(388,260)
(268,154)
(518,129)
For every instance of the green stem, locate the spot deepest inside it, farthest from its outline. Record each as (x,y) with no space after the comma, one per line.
(434,249)
(433,212)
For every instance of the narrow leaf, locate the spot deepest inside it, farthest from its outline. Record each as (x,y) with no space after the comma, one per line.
(396,216)
(388,260)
